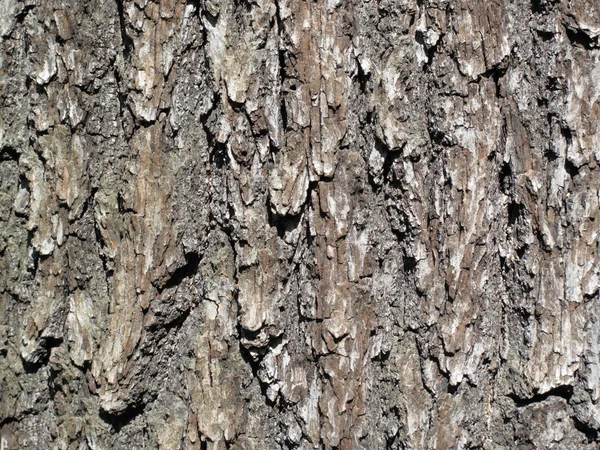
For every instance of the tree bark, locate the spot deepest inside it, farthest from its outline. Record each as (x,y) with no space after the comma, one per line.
(287,224)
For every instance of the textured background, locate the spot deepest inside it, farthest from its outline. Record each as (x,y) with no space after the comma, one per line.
(280,224)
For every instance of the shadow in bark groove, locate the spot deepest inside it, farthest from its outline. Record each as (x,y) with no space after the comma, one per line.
(565,392)
(188,270)
(125,38)
(283,224)
(579,38)
(118,421)
(590,433)
(45,348)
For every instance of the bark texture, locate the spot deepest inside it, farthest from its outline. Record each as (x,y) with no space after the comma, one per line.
(278,224)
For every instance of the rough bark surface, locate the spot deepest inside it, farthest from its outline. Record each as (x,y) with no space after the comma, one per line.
(278,224)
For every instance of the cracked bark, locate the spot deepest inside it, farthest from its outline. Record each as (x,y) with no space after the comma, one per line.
(290,224)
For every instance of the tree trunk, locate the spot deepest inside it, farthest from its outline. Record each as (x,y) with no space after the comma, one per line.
(278,224)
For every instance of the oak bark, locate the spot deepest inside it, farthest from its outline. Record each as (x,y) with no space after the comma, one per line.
(278,224)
